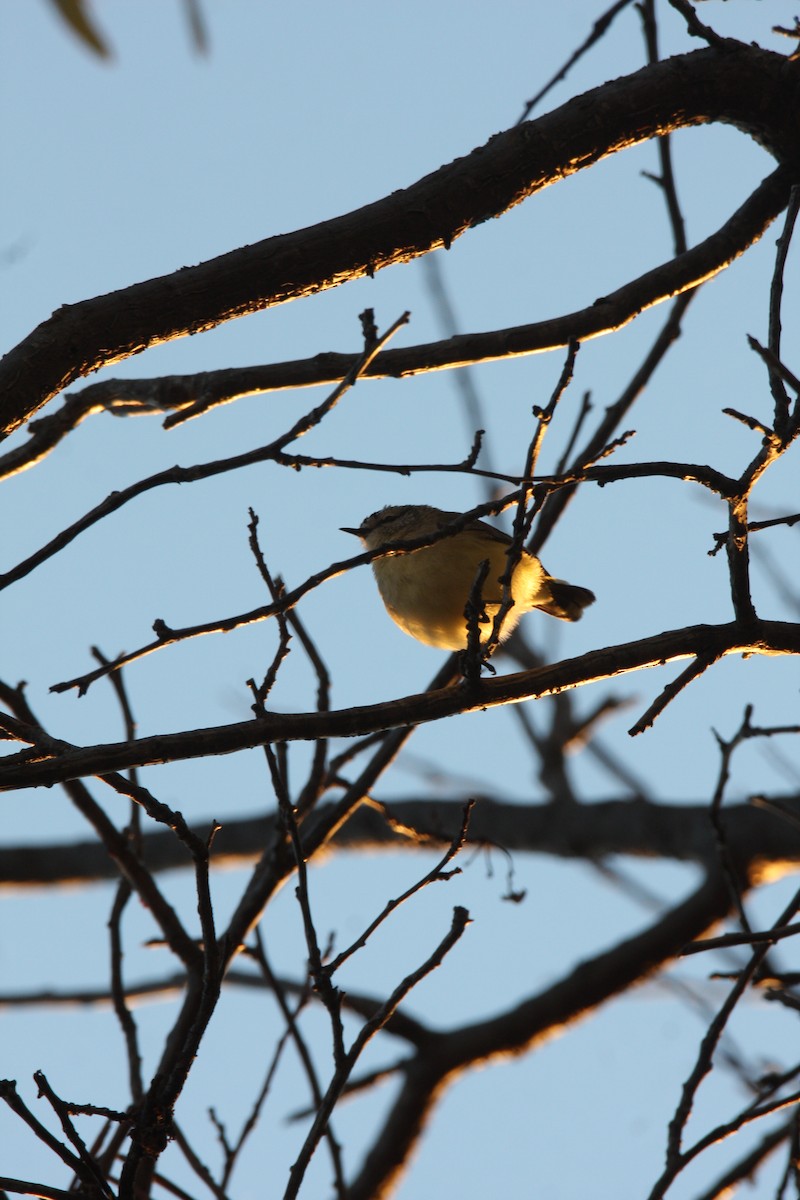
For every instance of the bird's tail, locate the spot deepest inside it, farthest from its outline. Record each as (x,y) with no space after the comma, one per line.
(564,600)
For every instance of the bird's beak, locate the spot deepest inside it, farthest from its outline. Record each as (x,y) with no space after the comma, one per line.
(355,532)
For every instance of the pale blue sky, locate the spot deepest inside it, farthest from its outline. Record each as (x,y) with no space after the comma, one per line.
(118,172)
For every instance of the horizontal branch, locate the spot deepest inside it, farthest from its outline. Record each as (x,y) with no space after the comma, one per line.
(27,1187)
(679,831)
(700,473)
(751,88)
(40,767)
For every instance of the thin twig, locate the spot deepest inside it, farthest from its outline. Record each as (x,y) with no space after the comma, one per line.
(91,1170)
(696,27)
(676,1157)
(599,28)
(9,1093)
(666,180)
(195,1162)
(460,921)
(750,938)
(123,893)
(293,1030)
(776,382)
(437,874)
(687,676)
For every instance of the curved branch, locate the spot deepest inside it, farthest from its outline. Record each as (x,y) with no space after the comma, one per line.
(185,396)
(753,89)
(44,766)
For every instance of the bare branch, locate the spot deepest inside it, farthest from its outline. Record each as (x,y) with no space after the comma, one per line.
(745,1169)
(741,939)
(40,768)
(599,28)
(775,298)
(366,1033)
(691,89)
(527,1025)
(166,635)
(687,676)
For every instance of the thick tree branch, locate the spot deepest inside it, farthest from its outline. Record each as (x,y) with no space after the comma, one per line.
(44,766)
(198,393)
(758,843)
(753,89)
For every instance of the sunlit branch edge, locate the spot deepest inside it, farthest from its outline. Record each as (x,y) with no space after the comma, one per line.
(35,768)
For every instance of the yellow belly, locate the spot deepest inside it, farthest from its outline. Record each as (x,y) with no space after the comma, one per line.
(425,592)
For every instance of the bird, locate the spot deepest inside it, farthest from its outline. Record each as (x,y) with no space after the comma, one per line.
(426,590)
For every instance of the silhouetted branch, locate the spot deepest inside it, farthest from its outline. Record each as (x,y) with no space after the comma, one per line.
(748,87)
(41,768)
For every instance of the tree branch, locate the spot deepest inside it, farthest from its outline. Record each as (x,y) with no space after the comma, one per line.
(527,1025)
(639,828)
(751,88)
(38,767)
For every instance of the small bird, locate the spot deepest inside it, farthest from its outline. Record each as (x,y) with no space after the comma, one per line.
(425,591)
